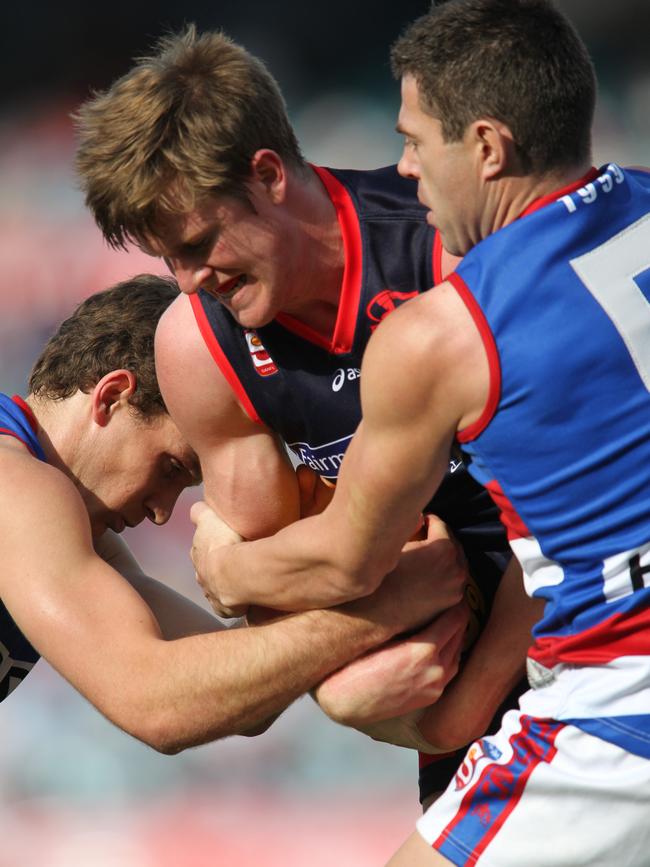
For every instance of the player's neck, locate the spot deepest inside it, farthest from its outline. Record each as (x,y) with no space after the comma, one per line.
(520,193)
(320,259)
(59,428)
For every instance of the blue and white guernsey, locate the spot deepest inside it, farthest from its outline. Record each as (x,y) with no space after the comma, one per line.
(17,656)
(561,298)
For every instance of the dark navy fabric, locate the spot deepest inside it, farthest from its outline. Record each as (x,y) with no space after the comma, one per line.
(312,397)
(310,394)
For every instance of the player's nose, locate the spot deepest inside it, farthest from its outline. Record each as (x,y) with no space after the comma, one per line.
(406,166)
(191,278)
(159,507)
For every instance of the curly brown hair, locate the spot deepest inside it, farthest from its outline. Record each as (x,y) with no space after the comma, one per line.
(110,330)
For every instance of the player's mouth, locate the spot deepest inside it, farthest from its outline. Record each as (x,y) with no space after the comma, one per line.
(119,522)
(225,291)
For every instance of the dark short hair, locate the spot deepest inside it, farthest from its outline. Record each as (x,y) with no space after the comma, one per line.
(180,126)
(110,330)
(518,61)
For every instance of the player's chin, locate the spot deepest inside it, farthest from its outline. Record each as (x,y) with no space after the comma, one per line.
(255,304)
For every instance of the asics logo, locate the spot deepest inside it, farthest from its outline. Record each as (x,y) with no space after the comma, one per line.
(343,374)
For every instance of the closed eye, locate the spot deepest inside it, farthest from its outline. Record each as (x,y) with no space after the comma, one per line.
(177,470)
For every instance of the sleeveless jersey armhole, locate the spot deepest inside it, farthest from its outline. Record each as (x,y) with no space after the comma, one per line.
(220,359)
(473,430)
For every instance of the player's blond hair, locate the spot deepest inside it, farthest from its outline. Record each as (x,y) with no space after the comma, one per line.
(183,124)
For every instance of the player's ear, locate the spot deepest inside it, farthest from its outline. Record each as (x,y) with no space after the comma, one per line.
(495,147)
(268,170)
(113,389)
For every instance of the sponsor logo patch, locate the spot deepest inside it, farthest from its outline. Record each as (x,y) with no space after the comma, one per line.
(343,375)
(262,361)
(325,459)
(480,752)
(384,303)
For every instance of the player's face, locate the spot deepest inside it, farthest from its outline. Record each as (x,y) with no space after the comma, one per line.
(238,251)
(136,469)
(444,171)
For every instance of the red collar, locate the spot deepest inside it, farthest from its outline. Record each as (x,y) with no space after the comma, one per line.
(536,204)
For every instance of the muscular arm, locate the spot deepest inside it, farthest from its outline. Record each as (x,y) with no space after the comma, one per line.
(381,693)
(97,631)
(493,668)
(249,480)
(424,375)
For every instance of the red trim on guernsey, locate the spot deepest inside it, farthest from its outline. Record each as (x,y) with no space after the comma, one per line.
(441,268)
(27,410)
(12,433)
(437,259)
(535,205)
(619,635)
(31,418)
(473,430)
(343,337)
(516,529)
(220,358)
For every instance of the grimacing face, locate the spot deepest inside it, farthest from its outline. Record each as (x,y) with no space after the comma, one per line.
(136,470)
(241,253)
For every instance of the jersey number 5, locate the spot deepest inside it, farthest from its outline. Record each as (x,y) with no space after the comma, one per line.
(609,273)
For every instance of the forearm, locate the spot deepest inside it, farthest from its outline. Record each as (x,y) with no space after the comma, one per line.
(494,666)
(187,692)
(402,676)
(299,571)
(323,560)
(256,672)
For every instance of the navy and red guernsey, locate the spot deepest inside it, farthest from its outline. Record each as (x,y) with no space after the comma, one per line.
(17,656)
(306,388)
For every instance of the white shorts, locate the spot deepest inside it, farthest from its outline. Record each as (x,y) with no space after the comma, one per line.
(542,793)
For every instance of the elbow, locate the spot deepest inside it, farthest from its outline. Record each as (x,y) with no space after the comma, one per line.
(163,737)
(166,741)
(167,731)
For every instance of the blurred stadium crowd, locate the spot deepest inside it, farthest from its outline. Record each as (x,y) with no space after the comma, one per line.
(74,791)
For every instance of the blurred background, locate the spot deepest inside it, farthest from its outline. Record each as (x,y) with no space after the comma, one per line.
(73,790)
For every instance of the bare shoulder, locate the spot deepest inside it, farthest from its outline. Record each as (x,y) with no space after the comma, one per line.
(26,479)
(429,349)
(247,475)
(42,516)
(29,483)
(195,390)
(436,318)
